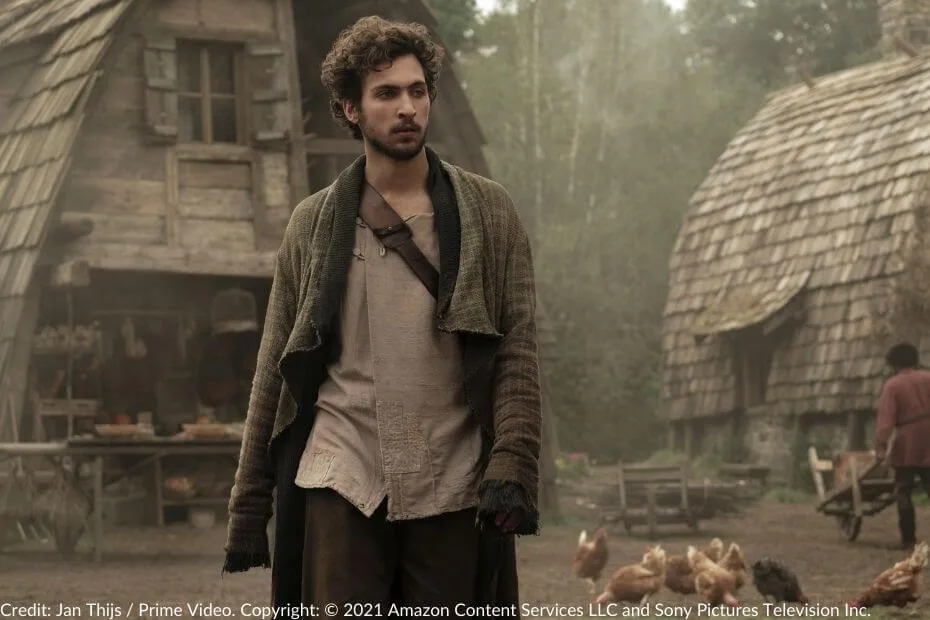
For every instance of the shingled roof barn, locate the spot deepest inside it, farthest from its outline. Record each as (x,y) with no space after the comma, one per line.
(794,267)
(150,155)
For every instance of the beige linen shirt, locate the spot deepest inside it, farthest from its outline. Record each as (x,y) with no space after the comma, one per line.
(391,419)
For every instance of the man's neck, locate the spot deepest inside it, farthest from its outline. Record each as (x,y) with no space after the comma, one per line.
(392,176)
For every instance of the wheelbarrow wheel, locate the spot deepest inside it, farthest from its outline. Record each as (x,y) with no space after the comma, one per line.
(851,526)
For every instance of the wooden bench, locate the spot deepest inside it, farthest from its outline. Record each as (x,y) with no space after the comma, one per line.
(642,488)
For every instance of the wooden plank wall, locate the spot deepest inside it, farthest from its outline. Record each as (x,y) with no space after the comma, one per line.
(241,15)
(276,194)
(184,196)
(116,180)
(214,205)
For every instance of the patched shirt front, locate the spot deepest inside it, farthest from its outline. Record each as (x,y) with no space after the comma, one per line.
(392,418)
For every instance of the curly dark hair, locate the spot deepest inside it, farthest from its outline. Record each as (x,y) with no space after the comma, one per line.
(369,43)
(903,355)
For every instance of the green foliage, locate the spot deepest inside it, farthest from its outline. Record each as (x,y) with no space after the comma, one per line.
(802,479)
(457,21)
(571,469)
(704,465)
(666,457)
(762,39)
(734,450)
(784,495)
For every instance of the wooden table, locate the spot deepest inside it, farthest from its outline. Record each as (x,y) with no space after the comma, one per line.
(94,450)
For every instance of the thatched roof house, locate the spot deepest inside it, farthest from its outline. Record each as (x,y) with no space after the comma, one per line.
(794,266)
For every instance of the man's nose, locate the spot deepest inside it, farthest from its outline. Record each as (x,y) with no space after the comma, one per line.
(406,106)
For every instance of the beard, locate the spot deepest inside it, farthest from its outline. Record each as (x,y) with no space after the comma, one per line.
(400,152)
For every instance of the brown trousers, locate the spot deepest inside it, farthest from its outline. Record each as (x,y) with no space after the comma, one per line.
(350,558)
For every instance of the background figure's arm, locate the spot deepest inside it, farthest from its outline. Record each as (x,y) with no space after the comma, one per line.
(886,418)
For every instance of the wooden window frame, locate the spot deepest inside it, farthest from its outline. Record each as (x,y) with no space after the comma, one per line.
(264,83)
(206,96)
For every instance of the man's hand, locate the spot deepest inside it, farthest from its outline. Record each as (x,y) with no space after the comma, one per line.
(503,507)
(509,521)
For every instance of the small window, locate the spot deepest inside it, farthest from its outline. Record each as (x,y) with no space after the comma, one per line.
(208,89)
(757,364)
(753,354)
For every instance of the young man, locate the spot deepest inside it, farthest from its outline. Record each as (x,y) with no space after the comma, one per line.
(904,409)
(401,432)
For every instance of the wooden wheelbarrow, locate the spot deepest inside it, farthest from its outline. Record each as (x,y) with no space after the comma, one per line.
(861,487)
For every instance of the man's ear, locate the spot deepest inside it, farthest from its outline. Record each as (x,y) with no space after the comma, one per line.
(350,110)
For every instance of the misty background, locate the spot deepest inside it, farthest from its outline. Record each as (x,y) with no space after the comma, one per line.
(488,6)
(602,118)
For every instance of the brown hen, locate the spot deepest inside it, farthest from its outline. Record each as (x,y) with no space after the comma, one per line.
(591,557)
(734,562)
(897,586)
(714,584)
(635,583)
(679,577)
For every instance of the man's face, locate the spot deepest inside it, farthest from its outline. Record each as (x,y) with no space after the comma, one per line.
(394,111)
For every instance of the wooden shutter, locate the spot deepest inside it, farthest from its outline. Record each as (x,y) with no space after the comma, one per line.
(268,84)
(161,89)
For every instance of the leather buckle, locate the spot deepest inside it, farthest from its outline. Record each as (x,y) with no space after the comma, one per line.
(389,230)
(394,236)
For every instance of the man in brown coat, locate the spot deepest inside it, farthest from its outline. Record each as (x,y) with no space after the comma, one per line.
(903,422)
(400,432)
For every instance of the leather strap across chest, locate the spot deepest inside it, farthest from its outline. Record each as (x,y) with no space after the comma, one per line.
(394,234)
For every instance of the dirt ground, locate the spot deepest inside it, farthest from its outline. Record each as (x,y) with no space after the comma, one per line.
(179,565)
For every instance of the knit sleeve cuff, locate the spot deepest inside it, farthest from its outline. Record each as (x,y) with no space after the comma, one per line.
(246,544)
(500,497)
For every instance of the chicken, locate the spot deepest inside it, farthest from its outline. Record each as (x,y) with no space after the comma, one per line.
(713,583)
(678,575)
(635,583)
(774,579)
(734,562)
(591,557)
(714,550)
(897,586)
